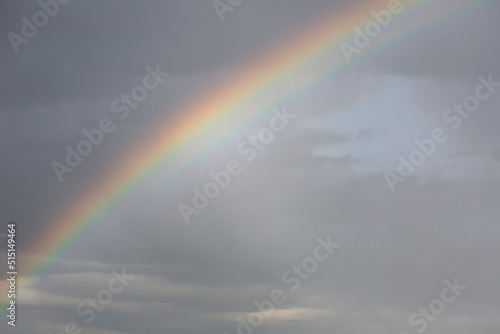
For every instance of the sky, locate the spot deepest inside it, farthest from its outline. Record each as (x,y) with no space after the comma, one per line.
(346,195)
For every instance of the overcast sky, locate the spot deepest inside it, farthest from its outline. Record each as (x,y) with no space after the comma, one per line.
(332,172)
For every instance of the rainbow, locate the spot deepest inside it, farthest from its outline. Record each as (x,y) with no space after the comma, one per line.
(105,196)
